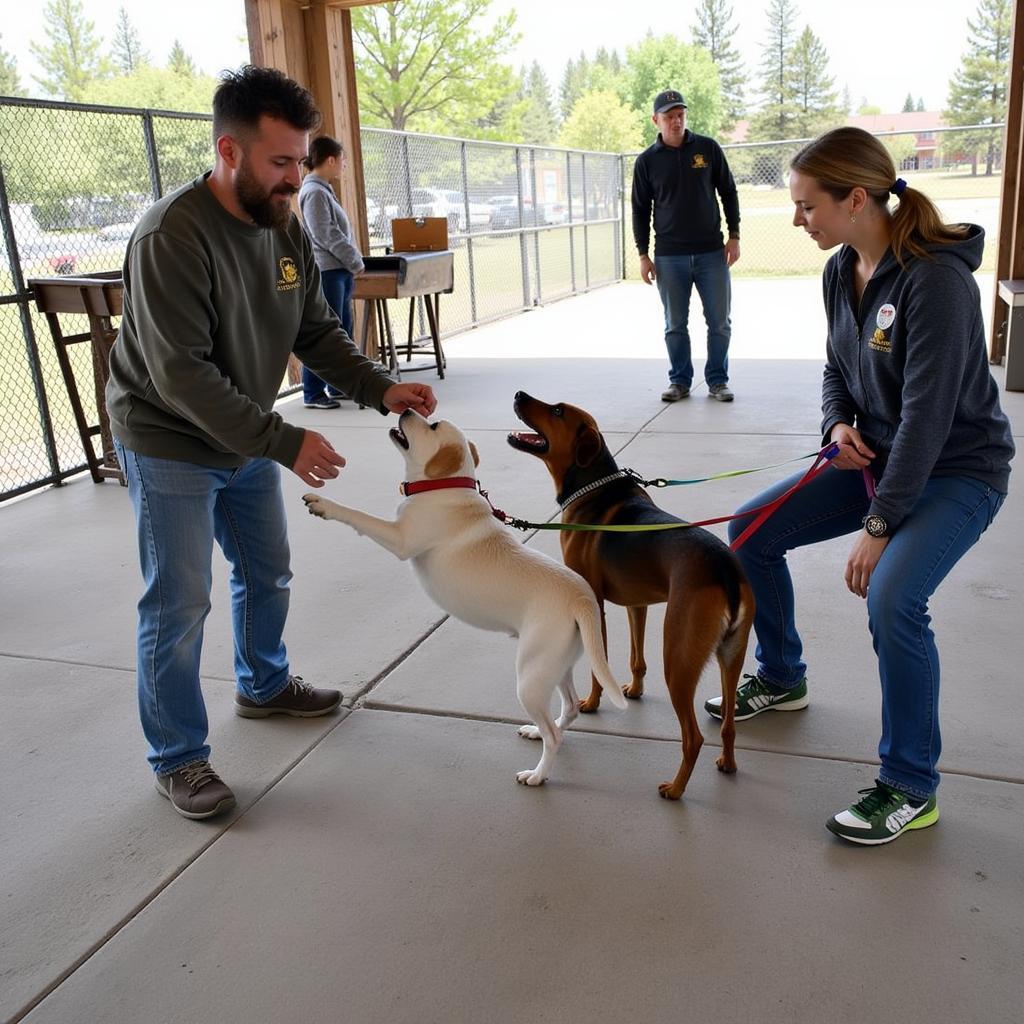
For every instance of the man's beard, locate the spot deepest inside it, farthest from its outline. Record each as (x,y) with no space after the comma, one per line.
(262,206)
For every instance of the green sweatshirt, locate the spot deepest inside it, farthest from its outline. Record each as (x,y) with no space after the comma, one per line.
(212,309)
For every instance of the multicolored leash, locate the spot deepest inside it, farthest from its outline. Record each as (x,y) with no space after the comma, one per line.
(762,512)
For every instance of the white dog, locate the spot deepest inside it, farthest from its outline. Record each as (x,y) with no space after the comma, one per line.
(477,570)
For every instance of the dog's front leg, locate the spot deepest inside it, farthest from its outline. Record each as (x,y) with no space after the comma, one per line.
(389,535)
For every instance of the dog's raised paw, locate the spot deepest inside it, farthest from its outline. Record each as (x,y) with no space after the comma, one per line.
(314,505)
(529,732)
(530,778)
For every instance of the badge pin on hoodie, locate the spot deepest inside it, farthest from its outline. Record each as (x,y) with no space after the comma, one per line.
(886,315)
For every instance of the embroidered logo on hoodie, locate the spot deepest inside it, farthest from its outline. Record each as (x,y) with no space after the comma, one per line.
(289,279)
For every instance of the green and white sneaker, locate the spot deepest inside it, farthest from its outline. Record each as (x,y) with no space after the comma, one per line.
(757,695)
(881,816)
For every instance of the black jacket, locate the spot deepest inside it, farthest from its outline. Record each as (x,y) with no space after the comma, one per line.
(680,184)
(908,368)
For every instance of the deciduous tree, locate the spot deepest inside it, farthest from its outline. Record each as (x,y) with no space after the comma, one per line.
(429,65)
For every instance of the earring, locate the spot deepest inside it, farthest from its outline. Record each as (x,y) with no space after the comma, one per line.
(853,220)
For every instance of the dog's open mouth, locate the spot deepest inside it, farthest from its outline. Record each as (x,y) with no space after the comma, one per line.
(537,444)
(398,436)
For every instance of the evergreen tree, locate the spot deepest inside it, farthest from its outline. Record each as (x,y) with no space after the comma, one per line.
(847,103)
(908,104)
(72,59)
(179,61)
(127,48)
(814,96)
(714,31)
(977,92)
(920,104)
(778,112)
(575,79)
(540,125)
(10,81)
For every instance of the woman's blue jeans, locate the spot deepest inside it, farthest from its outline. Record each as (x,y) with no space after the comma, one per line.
(337,289)
(950,516)
(676,277)
(180,509)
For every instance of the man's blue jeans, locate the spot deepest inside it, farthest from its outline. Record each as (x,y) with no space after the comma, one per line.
(337,289)
(950,516)
(180,509)
(676,277)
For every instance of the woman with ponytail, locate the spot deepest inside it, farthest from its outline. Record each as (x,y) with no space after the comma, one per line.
(335,252)
(923,463)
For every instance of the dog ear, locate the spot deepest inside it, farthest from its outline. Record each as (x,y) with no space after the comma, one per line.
(588,446)
(444,462)
(474,453)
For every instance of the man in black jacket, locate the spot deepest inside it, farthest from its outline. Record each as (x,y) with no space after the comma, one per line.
(677,177)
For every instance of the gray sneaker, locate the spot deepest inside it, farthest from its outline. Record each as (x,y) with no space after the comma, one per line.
(720,393)
(298,699)
(674,392)
(196,790)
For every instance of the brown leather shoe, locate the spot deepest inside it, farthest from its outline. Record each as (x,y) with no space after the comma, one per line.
(675,393)
(196,790)
(298,699)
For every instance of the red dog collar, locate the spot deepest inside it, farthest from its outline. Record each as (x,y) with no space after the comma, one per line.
(406,488)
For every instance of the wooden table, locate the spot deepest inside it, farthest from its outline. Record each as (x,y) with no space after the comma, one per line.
(99,297)
(405,275)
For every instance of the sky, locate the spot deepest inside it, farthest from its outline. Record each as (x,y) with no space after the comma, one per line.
(880,49)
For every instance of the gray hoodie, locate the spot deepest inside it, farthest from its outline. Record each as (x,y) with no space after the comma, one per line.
(328,227)
(909,369)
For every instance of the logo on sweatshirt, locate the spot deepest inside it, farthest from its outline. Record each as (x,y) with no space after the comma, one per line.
(699,163)
(879,342)
(886,315)
(289,279)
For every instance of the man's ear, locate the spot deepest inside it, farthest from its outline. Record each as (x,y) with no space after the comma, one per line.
(474,453)
(229,150)
(588,446)
(444,462)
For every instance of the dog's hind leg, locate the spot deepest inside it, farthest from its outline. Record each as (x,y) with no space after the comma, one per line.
(593,702)
(693,627)
(543,660)
(730,654)
(637,663)
(570,709)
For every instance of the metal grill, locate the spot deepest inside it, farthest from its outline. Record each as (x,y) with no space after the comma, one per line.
(527,224)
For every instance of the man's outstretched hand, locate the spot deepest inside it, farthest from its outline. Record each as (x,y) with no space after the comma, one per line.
(317,460)
(420,397)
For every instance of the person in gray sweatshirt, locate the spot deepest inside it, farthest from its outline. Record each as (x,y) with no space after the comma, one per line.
(334,249)
(923,463)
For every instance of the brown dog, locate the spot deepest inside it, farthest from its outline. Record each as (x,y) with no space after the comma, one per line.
(710,606)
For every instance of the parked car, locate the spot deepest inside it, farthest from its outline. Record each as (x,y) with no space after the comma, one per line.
(447,203)
(42,251)
(379,218)
(554,212)
(505,213)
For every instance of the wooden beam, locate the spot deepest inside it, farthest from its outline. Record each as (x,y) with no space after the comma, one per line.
(1009,257)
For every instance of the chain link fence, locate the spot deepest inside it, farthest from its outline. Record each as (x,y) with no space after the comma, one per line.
(527,224)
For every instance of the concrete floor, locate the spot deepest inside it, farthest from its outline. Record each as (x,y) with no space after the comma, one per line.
(382,864)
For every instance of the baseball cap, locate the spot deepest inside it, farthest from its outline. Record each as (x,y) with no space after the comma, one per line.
(667,100)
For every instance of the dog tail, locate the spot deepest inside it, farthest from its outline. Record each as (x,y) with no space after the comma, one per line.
(588,622)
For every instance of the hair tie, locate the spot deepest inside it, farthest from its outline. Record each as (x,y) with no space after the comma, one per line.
(897,187)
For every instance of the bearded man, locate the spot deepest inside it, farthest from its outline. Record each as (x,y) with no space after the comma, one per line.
(220,287)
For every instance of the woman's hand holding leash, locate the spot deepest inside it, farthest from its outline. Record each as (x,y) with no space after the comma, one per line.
(853,452)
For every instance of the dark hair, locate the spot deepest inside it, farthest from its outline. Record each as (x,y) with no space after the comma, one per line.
(846,158)
(246,95)
(322,147)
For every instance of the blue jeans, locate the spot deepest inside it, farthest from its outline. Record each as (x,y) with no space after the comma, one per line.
(180,509)
(950,516)
(337,289)
(676,276)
